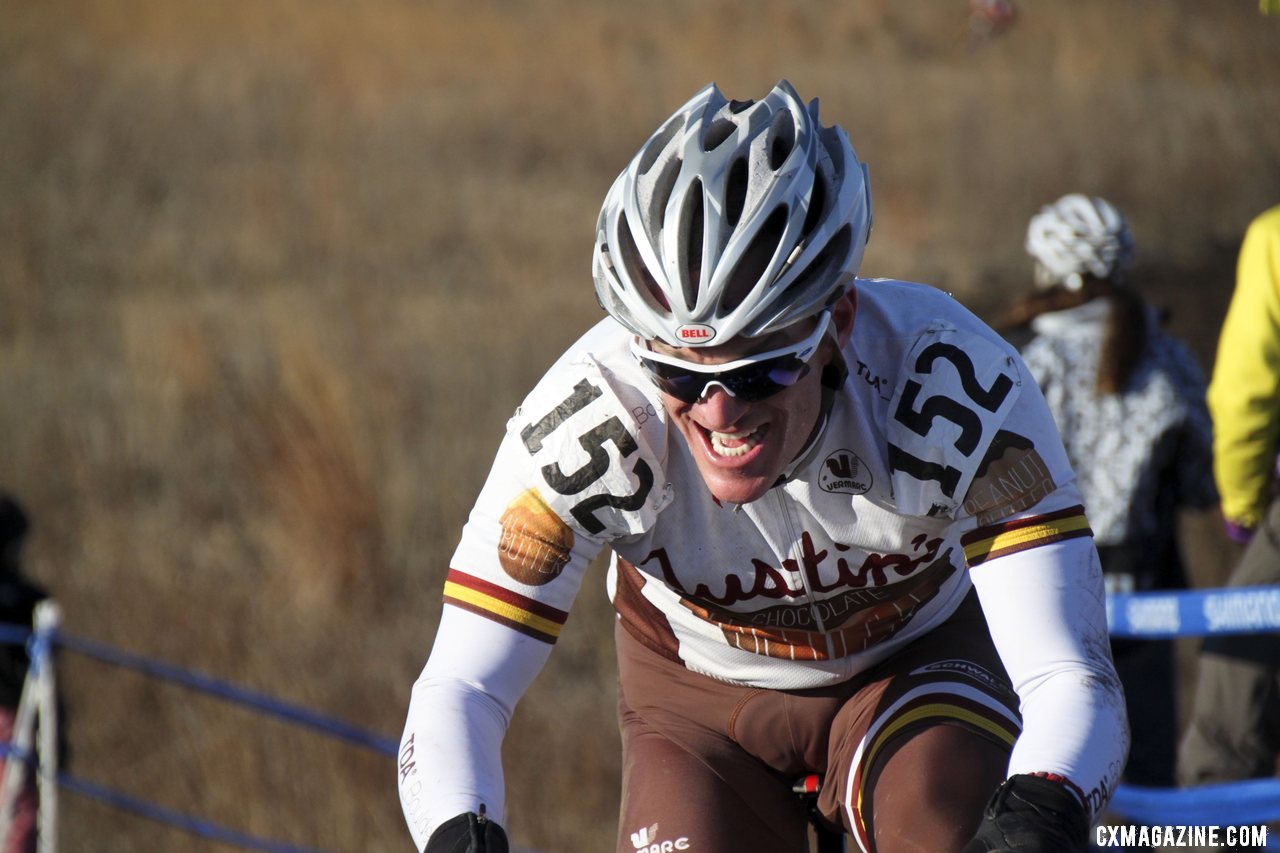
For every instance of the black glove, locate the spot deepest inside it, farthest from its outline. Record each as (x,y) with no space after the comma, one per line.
(1028,814)
(468,833)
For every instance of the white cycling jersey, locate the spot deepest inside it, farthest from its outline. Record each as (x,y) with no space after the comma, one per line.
(939,467)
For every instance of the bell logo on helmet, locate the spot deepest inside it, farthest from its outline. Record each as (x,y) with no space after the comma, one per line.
(695,333)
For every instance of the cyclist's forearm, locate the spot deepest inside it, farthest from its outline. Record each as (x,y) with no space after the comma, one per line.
(1046,610)
(450,756)
(450,753)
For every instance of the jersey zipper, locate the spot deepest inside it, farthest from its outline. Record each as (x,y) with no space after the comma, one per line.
(795,553)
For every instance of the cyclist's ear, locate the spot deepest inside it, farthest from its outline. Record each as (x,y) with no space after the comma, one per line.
(842,313)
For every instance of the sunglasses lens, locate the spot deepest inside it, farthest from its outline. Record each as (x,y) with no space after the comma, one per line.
(684,385)
(756,382)
(750,383)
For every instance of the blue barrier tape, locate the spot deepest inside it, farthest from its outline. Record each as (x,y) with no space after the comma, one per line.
(195,826)
(124,802)
(1252,801)
(206,684)
(14,635)
(1194,613)
(8,750)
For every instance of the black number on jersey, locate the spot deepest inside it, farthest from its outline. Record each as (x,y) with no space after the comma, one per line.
(947,476)
(593,442)
(920,420)
(532,435)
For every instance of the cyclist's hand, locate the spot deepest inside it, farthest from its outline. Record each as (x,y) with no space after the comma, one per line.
(468,833)
(1029,814)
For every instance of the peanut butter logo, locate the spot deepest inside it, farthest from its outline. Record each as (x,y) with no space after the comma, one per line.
(1013,478)
(535,544)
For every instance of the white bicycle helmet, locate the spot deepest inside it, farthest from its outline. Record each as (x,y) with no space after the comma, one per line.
(735,218)
(1075,236)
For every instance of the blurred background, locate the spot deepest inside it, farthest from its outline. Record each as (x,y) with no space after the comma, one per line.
(274,273)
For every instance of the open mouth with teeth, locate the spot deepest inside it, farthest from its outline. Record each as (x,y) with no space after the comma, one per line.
(734,444)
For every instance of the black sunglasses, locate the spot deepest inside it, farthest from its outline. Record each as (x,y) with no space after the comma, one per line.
(751,379)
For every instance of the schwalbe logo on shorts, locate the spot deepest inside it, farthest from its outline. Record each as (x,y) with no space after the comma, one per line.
(969,669)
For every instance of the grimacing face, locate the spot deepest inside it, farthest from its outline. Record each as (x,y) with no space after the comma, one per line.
(742,448)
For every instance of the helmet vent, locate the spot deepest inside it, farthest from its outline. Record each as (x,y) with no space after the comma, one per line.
(691,244)
(755,260)
(715,135)
(635,266)
(783,139)
(735,191)
(604,295)
(817,201)
(826,263)
(736,107)
(658,144)
(664,183)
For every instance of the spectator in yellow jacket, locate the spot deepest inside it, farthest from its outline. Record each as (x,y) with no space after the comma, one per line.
(1235,726)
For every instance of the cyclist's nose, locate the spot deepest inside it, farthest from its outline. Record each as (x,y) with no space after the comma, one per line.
(718,409)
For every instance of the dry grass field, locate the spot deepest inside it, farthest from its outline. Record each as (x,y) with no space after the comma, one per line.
(273,274)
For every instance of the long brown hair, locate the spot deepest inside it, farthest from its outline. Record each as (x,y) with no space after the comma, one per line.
(1126,334)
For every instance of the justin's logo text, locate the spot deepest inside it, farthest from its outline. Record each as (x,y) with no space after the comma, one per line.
(844,472)
(695,333)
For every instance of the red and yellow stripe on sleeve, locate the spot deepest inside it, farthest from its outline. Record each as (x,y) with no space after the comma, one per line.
(503,606)
(999,540)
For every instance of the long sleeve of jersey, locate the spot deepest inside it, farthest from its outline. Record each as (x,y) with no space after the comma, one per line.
(1046,610)
(1244,394)
(450,752)
(496,632)
(1038,578)
(511,583)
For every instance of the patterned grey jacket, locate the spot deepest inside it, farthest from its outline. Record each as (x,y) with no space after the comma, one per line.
(1140,455)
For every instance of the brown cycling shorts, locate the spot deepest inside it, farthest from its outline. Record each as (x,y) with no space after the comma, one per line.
(709,766)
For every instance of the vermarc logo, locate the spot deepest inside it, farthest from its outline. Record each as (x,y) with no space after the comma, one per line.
(844,472)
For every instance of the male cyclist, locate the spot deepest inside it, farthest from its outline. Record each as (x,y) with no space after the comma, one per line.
(846,540)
